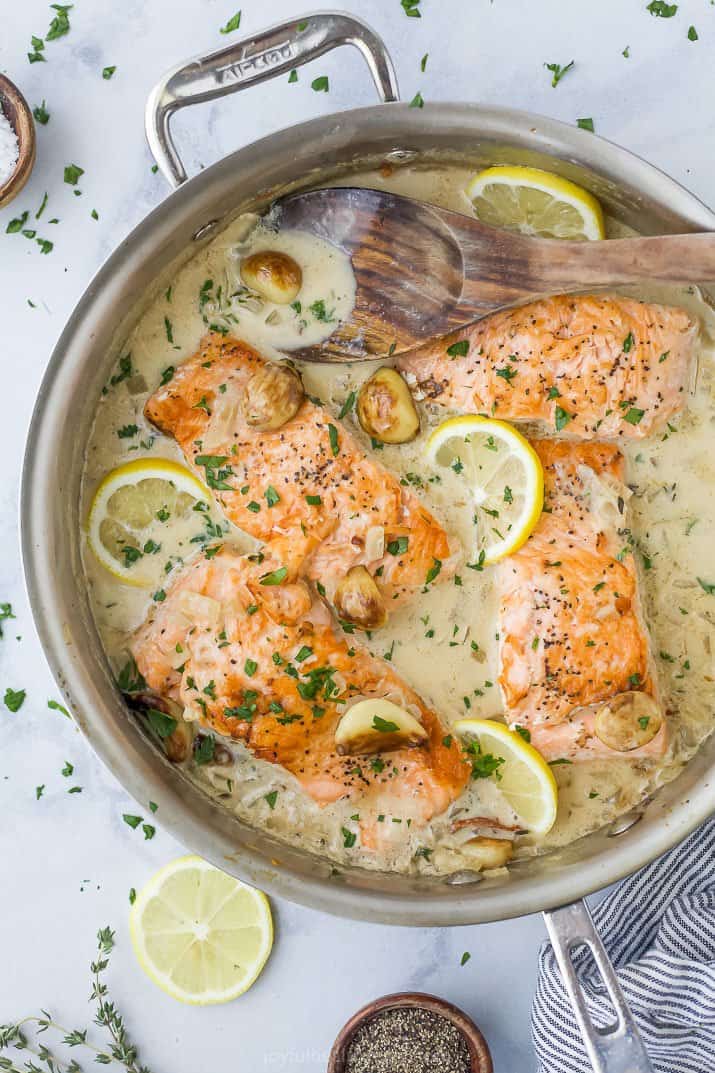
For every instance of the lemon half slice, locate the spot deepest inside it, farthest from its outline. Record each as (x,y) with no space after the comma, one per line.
(504,474)
(524,777)
(130,512)
(199,934)
(535,202)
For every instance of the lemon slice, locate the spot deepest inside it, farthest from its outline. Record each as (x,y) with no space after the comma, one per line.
(199,934)
(130,512)
(504,474)
(524,777)
(535,202)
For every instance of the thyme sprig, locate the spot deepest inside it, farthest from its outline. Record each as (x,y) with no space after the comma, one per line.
(120,1051)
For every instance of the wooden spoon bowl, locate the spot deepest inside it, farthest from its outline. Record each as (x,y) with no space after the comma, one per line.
(17,112)
(479,1054)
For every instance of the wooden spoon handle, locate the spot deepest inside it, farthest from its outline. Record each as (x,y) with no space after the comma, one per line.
(511,268)
(677,258)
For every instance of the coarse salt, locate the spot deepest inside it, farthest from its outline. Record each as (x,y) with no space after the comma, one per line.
(9,148)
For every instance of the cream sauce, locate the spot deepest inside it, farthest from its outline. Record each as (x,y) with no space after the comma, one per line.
(443,643)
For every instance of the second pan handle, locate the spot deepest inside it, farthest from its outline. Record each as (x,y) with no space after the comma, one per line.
(617,1048)
(252,60)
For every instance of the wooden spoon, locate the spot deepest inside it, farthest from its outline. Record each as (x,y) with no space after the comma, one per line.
(18,114)
(422,271)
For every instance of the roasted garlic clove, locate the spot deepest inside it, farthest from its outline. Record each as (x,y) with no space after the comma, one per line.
(179,742)
(377,726)
(272,396)
(385,408)
(273,275)
(627,722)
(358,600)
(484,853)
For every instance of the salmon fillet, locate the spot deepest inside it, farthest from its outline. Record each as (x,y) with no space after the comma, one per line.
(262,664)
(308,488)
(585,365)
(571,632)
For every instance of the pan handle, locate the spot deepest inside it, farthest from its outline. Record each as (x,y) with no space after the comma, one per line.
(256,59)
(617,1048)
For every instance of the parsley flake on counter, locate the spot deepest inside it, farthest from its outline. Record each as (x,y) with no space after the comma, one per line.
(423,62)
(692,34)
(60,24)
(38,47)
(558,71)
(417,101)
(411,8)
(661,9)
(585,124)
(42,116)
(465,957)
(73,173)
(14,699)
(107,73)
(5,613)
(233,24)
(320,84)
(131,821)
(293,76)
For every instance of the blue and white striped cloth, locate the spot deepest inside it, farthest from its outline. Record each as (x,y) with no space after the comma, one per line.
(659,930)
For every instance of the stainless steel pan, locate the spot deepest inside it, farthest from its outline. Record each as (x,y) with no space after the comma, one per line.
(314,152)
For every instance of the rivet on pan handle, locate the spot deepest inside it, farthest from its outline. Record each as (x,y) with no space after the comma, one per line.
(256,59)
(618,1048)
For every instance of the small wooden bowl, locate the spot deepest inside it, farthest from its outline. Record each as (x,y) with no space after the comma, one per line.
(481,1059)
(17,112)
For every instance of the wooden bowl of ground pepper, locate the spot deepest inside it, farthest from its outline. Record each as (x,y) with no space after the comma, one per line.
(410,1032)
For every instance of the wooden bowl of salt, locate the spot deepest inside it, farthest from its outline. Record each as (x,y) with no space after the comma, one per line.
(17,141)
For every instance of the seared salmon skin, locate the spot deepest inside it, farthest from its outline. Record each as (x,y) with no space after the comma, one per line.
(586,366)
(572,637)
(261,663)
(307,487)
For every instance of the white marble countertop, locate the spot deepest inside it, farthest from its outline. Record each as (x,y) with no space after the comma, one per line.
(68,860)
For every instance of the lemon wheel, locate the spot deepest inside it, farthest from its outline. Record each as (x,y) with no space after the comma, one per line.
(130,511)
(535,202)
(504,474)
(202,936)
(522,774)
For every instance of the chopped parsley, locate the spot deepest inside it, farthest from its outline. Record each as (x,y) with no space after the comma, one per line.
(561,418)
(384,726)
(334,441)
(73,174)
(14,699)
(558,71)
(275,577)
(398,546)
(433,571)
(233,24)
(459,349)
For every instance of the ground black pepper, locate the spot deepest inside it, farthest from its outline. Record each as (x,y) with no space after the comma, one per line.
(407,1040)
